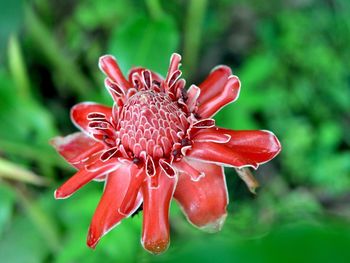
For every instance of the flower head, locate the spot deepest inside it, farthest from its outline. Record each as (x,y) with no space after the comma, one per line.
(156,142)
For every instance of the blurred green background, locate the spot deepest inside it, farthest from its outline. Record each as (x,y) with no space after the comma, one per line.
(293,59)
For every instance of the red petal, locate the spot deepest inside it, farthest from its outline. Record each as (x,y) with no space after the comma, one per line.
(80,111)
(245,148)
(76,148)
(114,90)
(156,203)
(107,213)
(204,201)
(108,64)
(261,145)
(192,97)
(185,167)
(81,178)
(137,176)
(214,83)
(167,168)
(256,141)
(210,135)
(138,70)
(226,94)
(173,67)
(204,124)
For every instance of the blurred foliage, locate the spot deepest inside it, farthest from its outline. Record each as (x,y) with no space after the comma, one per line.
(293,59)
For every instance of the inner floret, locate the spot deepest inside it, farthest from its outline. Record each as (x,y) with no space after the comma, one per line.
(151,123)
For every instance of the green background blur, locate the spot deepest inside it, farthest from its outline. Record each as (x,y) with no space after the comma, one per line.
(293,59)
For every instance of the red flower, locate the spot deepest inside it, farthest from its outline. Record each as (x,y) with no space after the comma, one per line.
(159,141)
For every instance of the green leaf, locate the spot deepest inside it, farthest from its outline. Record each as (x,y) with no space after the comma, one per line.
(94,14)
(22,243)
(145,42)
(26,126)
(10,20)
(18,68)
(6,207)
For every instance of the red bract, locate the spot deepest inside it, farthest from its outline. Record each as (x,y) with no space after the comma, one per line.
(159,141)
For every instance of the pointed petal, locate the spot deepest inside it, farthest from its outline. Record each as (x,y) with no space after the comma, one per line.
(227,94)
(210,135)
(81,178)
(192,97)
(79,114)
(204,124)
(260,145)
(245,149)
(204,201)
(137,176)
(214,83)
(173,68)
(107,213)
(184,166)
(167,168)
(156,203)
(108,64)
(138,70)
(114,90)
(220,154)
(76,148)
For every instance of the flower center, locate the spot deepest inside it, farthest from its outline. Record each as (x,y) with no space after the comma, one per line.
(151,124)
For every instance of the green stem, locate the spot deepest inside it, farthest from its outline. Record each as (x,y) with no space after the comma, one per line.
(43,222)
(193,32)
(32,153)
(9,170)
(18,69)
(246,175)
(154,8)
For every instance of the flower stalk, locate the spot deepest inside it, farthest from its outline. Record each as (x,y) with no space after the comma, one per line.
(248,178)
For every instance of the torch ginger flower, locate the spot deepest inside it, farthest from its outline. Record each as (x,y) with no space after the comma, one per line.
(159,141)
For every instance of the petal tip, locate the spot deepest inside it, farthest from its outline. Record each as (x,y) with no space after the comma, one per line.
(176,55)
(55,141)
(59,142)
(276,144)
(215,226)
(105,59)
(58,194)
(156,247)
(222,68)
(92,240)
(234,82)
